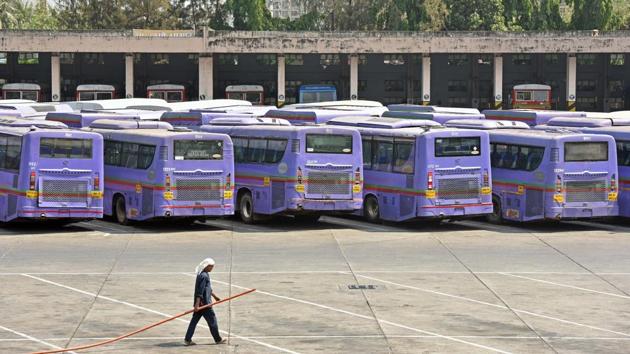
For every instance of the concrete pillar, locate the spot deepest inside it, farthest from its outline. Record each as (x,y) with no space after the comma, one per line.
(282,93)
(571,81)
(206,77)
(129,78)
(354,77)
(55,78)
(426,79)
(498,81)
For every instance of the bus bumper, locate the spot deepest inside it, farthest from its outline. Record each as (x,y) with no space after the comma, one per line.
(61,213)
(583,212)
(298,205)
(196,210)
(454,211)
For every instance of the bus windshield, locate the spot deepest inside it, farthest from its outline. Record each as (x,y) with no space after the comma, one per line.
(64,148)
(328,144)
(445,147)
(174,96)
(12,95)
(104,96)
(585,151)
(198,150)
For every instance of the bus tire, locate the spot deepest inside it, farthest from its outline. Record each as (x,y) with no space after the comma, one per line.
(246,208)
(497,214)
(307,218)
(120,210)
(371,210)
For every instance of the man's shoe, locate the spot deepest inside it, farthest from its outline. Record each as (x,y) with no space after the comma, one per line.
(222,341)
(189,343)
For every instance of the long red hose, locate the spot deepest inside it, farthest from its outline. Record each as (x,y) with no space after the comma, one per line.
(145,328)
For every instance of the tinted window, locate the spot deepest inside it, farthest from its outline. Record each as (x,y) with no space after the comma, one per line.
(198,150)
(623,153)
(145,156)
(256,150)
(586,151)
(113,153)
(174,96)
(86,96)
(12,95)
(404,156)
(61,148)
(457,146)
(240,149)
(10,151)
(104,96)
(516,157)
(253,97)
(384,155)
(328,144)
(367,153)
(29,96)
(129,155)
(275,150)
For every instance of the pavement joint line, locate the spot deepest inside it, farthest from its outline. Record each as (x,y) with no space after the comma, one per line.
(320,272)
(31,338)
(146,309)
(491,227)
(567,286)
(359,224)
(417,330)
(495,305)
(229,226)
(600,226)
(97,226)
(496,295)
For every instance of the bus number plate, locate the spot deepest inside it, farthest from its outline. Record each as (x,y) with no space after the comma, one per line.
(227,195)
(430,194)
(31,194)
(266,181)
(299,188)
(486,190)
(356,188)
(168,195)
(96,195)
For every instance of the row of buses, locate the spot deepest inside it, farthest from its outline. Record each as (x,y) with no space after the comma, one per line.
(397,164)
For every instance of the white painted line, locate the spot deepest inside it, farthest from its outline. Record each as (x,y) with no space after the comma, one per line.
(31,338)
(364,317)
(344,271)
(270,346)
(568,286)
(495,305)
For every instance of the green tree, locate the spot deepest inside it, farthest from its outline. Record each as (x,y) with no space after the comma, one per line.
(91,14)
(251,15)
(519,14)
(475,15)
(8,9)
(149,14)
(591,14)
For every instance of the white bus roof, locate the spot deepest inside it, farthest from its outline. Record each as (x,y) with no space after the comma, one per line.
(38,123)
(165,87)
(96,87)
(113,124)
(244,88)
(357,104)
(22,86)
(431,109)
(382,122)
(27,109)
(240,121)
(15,101)
(532,87)
(118,103)
(207,104)
(485,124)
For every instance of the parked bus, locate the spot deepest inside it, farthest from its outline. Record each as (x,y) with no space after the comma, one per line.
(417,169)
(167,92)
(531,96)
(316,93)
(619,129)
(33,110)
(91,92)
(22,91)
(84,119)
(195,119)
(49,172)
(153,171)
(437,117)
(305,171)
(531,117)
(402,107)
(310,116)
(250,93)
(371,108)
(544,174)
(25,123)
(116,104)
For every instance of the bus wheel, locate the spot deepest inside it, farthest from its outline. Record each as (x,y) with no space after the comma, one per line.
(246,207)
(120,211)
(307,218)
(497,214)
(371,210)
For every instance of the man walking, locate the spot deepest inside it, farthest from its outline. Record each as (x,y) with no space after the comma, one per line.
(203,294)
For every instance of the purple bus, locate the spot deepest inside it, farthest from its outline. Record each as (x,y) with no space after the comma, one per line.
(549,174)
(619,129)
(438,117)
(305,171)
(84,119)
(418,169)
(153,171)
(531,117)
(49,172)
(313,116)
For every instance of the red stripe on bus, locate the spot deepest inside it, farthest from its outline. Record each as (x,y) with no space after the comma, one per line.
(456,205)
(190,206)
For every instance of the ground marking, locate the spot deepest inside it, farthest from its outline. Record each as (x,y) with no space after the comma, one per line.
(31,338)
(271,346)
(567,286)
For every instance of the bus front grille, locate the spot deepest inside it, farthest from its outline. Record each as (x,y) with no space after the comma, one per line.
(458,188)
(586,191)
(64,191)
(198,189)
(329,183)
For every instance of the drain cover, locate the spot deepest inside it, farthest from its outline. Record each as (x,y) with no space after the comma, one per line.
(362,287)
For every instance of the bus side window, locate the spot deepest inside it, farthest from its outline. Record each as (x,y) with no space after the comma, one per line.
(275,150)
(113,151)
(404,157)
(145,158)
(240,149)
(367,153)
(534,158)
(501,151)
(256,150)
(3,152)
(130,155)
(384,156)
(14,150)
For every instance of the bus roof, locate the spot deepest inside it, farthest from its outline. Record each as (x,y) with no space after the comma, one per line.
(96,87)
(486,124)
(207,104)
(38,123)
(244,88)
(588,122)
(438,117)
(532,87)
(84,119)
(197,118)
(117,103)
(165,87)
(434,109)
(240,121)
(257,111)
(381,122)
(308,116)
(530,116)
(32,109)
(357,104)
(22,86)
(10,114)
(15,101)
(112,124)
